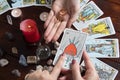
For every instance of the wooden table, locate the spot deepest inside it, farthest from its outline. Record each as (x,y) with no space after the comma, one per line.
(110,8)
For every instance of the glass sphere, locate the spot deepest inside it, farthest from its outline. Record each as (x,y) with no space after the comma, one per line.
(43,52)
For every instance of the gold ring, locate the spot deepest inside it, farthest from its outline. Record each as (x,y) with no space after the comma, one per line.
(61,14)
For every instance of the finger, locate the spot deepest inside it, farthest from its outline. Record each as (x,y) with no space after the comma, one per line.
(75,70)
(87,61)
(50,26)
(45,72)
(34,75)
(50,16)
(62,78)
(59,31)
(61,28)
(57,69)
(53,31)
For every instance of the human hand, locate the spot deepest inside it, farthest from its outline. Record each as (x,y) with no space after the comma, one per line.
(46,75)
(74,73)
(55,24)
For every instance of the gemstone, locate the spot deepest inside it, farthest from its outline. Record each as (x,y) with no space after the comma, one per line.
(56,45)
(16,72)
(14,50)
(31,59)
(22,60)
(9,36)
(39,67)
(3,62)
(53,52)
(49,62)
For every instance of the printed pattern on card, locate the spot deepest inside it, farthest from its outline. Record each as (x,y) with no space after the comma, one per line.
(4,6)
(72,45)
(44,2)
(88,13)
(15,3)
(102,48)
(105,71)
(28,2)
(83,2)
(99,28)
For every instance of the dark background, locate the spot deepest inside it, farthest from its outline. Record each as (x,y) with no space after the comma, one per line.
(110,8)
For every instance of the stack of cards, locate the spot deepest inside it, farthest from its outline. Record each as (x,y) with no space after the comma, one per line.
(6,5)
(89,23)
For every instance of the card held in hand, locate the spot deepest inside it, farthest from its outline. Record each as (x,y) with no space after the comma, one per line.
(105,71)
(72,45)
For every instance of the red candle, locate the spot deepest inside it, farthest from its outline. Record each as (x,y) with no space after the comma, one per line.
(30,31)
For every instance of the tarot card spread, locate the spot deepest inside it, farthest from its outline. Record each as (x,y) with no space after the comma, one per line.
(102,48)
(99,28)
(15,3)
(105,71)
(88,13)
(4,6)
(28,2)
(72,45)
(83,2)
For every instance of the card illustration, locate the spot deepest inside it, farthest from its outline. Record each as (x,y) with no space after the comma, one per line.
(99,28)
(4,6)
(105,71)
(83,2)
(29,2)
(103,48)
(90,11)
(15,3)
(72,46)
(44,2)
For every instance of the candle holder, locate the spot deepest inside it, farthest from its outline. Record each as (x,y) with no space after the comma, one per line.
(16,13)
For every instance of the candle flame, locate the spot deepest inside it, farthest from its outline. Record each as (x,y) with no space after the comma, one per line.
(29,26)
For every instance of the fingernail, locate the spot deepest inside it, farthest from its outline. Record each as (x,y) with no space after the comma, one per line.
(62,54)
(73,61)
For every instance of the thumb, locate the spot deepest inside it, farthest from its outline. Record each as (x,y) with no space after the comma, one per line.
(76,71)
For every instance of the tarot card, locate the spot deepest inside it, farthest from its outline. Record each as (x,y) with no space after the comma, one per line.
(4,6)
(72,45)
(88,13)
(105,71)
(44,2)
(15,3)
(99,28)
(102,48)
(83,2)
(28,2)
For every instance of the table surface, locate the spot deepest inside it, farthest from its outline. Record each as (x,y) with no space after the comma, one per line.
(110,8)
